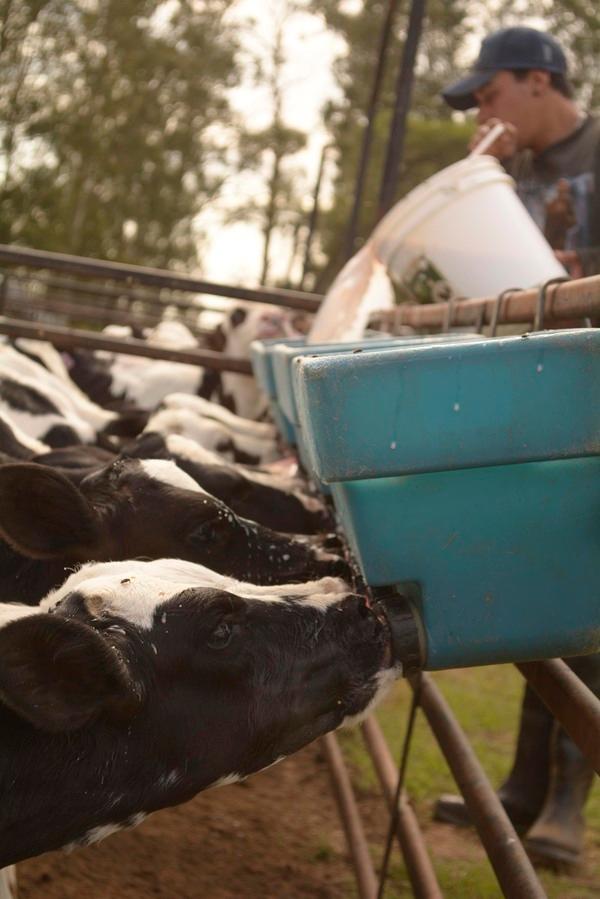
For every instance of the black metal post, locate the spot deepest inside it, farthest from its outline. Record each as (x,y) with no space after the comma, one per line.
(404,84)
(67,338)
(314,213)
(513,869)
(367,141)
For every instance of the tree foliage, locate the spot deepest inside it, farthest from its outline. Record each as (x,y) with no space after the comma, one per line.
(269,151)
(116,127)
(432,139)
(113,118)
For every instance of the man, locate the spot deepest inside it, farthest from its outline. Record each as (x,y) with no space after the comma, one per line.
(553,152)
(549,146)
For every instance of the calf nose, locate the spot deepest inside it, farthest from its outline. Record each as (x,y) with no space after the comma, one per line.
(71,606)
(357,604)
(335,567)
(332,542)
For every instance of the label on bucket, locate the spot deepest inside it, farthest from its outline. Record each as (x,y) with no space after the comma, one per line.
(425,283)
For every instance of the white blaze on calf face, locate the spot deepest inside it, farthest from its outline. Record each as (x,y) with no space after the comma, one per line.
(133,590)
(169,473)
(190,449)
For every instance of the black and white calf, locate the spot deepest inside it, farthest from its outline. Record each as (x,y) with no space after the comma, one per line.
(16,444)
(244,324)
(214,435)
(138,684)
(280,503)
(247,427)
(132,508)
(52,409)
(116,380)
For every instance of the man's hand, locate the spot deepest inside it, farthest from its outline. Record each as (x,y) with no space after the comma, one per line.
(571,261)
(504,146)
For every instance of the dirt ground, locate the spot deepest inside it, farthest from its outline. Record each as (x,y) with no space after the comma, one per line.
(277,835)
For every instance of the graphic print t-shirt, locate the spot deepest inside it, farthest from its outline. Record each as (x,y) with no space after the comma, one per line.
(560,189)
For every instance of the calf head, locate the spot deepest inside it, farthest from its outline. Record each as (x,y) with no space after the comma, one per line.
(163,678)
(132,508)
(254,495)
(243,324)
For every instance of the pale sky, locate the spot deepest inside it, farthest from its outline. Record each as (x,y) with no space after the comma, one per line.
(234,253)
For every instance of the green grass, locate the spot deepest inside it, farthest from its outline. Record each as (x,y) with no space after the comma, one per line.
(486,701)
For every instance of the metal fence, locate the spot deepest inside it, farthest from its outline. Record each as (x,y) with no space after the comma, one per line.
(572,703)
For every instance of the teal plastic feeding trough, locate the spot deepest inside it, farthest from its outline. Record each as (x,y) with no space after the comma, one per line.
(467,477)
(283,357)
(261,355)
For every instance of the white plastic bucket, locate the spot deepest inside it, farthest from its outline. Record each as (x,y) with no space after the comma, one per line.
(463,232)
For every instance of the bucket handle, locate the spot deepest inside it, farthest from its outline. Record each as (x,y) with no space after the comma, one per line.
(486,142)
(480,319)
(448,314)
(538,321)
(497,307)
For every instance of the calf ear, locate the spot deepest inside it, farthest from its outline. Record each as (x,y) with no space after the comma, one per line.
(43,515)
(59,674)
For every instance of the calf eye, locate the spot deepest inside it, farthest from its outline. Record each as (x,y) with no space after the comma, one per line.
(221,636)
(202,534)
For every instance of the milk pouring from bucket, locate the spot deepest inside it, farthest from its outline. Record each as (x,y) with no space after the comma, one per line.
(462,232)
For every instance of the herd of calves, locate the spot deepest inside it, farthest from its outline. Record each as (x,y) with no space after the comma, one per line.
(175,611)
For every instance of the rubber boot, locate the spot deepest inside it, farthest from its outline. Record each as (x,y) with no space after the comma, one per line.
(556,838)
(523,792)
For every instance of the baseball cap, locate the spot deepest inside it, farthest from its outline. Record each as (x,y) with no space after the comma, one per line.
(508,48)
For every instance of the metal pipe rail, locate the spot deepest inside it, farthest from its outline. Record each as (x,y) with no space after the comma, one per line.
(418,864)
(571,702)
(67,338)
(130,274)
(86,313)
(355,835)
(505,851)
(564,302)
(101,292)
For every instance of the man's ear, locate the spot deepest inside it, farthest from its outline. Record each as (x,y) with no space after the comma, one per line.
(539,80)
(43,515)
(59,674)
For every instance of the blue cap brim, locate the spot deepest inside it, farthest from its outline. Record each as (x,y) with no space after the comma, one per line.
(461,94)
